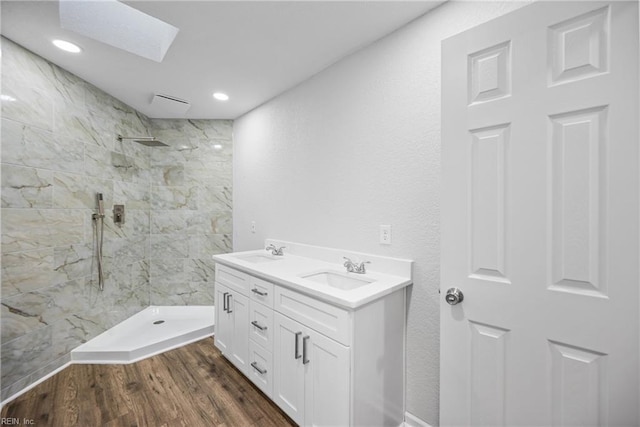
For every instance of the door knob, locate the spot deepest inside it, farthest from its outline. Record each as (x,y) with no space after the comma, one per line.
(454,296)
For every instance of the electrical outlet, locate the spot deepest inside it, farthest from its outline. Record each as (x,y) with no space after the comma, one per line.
(253,226)
(385,234)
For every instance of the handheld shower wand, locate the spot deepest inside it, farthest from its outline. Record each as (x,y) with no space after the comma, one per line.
(100,205)
(99,235)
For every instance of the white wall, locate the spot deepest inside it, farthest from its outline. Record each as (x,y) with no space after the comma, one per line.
(356,146)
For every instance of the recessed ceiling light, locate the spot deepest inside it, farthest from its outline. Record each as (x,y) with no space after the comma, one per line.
(66,46)
(221,96)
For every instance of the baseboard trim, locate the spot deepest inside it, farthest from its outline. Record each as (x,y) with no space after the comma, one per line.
(32,385)
(411,420)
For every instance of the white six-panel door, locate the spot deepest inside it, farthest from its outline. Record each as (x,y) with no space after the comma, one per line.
(540,218)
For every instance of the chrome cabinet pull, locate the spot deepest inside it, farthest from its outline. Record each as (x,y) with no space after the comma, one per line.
(304,350)
(224,301)
(258,325)
(256,291)
(297,345)
(229,304)
(257,368)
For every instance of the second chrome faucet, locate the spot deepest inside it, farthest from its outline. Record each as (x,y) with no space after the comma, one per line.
(355,268)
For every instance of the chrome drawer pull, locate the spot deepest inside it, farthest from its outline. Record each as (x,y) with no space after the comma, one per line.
(258,325)
(256,291)
(255,366)
(224,301)
(304,350)
(229,304)
(298,356)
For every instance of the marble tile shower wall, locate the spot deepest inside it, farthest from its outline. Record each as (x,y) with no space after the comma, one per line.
(190,208)
(58,150)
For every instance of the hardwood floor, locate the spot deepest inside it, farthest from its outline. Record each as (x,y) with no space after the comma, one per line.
(189,386)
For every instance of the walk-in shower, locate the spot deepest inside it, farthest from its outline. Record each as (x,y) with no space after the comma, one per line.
(149,141)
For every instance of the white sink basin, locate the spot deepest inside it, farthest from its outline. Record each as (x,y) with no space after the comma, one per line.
(258,258)
(338,280)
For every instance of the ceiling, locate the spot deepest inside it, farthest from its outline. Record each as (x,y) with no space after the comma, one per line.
(251,50)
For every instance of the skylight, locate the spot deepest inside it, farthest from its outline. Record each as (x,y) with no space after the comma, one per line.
(118,25)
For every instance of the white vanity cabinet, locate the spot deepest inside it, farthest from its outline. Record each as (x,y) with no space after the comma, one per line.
(321,363)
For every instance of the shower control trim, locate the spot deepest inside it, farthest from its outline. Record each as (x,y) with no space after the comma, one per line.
(118,214)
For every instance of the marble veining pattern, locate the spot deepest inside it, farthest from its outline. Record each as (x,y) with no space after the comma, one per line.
(59,148)
(26,145)
(26,229)
(24,187)
(29,270)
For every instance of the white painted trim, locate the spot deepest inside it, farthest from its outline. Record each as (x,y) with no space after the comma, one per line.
(404,352)
(32,385)
(411,420)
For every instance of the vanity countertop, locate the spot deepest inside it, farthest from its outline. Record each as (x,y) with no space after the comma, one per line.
(322,265)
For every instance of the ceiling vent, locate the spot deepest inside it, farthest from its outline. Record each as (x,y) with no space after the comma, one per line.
(168,106)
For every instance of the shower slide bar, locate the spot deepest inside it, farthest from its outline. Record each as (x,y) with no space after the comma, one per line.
(99,237)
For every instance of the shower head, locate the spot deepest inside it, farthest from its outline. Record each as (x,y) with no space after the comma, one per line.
(149,141)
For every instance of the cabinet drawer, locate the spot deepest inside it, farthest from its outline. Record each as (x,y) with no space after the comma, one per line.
(260,367)
(234,279)
(325,318)
(261,291)
(261,324)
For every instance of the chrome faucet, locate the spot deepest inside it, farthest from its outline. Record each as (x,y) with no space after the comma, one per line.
(355,268)
(275,251)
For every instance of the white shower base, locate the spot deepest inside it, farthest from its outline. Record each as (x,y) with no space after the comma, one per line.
(138,337)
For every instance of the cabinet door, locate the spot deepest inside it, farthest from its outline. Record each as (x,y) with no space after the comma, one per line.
(239,310)
(223,320)
(327,379)
(288,371)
